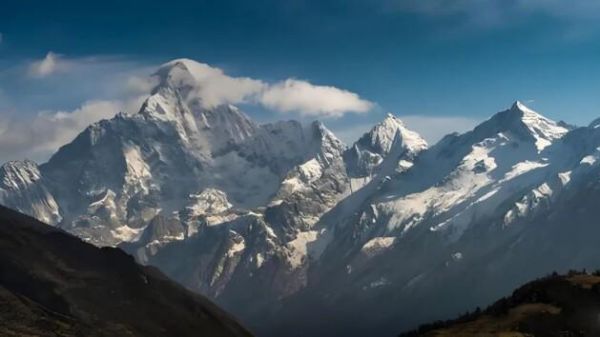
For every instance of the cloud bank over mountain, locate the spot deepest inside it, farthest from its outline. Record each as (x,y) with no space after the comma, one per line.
(38,135)
(214,87)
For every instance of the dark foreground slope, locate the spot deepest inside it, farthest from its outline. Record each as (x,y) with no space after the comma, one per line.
(555,306)
(53,284)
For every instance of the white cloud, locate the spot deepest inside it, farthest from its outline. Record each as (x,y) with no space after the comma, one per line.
(312,100)
(141,84)
(38,137)
(213,87)
(109,85)
(120,86)
(51,64)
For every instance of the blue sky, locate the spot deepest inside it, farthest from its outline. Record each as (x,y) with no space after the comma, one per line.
(441,65)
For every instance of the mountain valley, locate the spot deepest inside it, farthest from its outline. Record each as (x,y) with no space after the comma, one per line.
(273,220)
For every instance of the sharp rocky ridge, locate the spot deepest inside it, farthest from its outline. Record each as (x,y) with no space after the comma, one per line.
(269,219)
(180,171)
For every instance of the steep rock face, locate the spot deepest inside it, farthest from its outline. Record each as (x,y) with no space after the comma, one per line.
(463,179)
(312,187)
(186,176)
(367,154)
(250,249)
(280,146)
(475,216)
(115,177)
(119,174)
(23,188)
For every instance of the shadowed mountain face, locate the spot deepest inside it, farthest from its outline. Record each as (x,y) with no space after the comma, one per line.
(553,306)
(53,284)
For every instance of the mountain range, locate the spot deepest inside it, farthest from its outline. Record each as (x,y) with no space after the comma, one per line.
(274,220)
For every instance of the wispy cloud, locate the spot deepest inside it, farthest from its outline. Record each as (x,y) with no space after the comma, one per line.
(117,86)
(312,100)
(34,122)
(497,13)
(37,137)
(59,66)
(212,86)
(52,63)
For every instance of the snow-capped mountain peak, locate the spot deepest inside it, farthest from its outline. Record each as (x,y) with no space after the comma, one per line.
(383,135)
(544,130)
(183,74)
(204,85)
(224,204)
(523,123)
(387,137)
(326,140)
(518,105)
(178,100)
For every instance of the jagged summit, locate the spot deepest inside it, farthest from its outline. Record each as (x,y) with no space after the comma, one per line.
(179,62)
(381,137)
(324,143)
(518,105)
(322,132)
(543,129)
(182,72)
(202,84)
(388,136)
(116,176)
(524,123)
(178,99)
